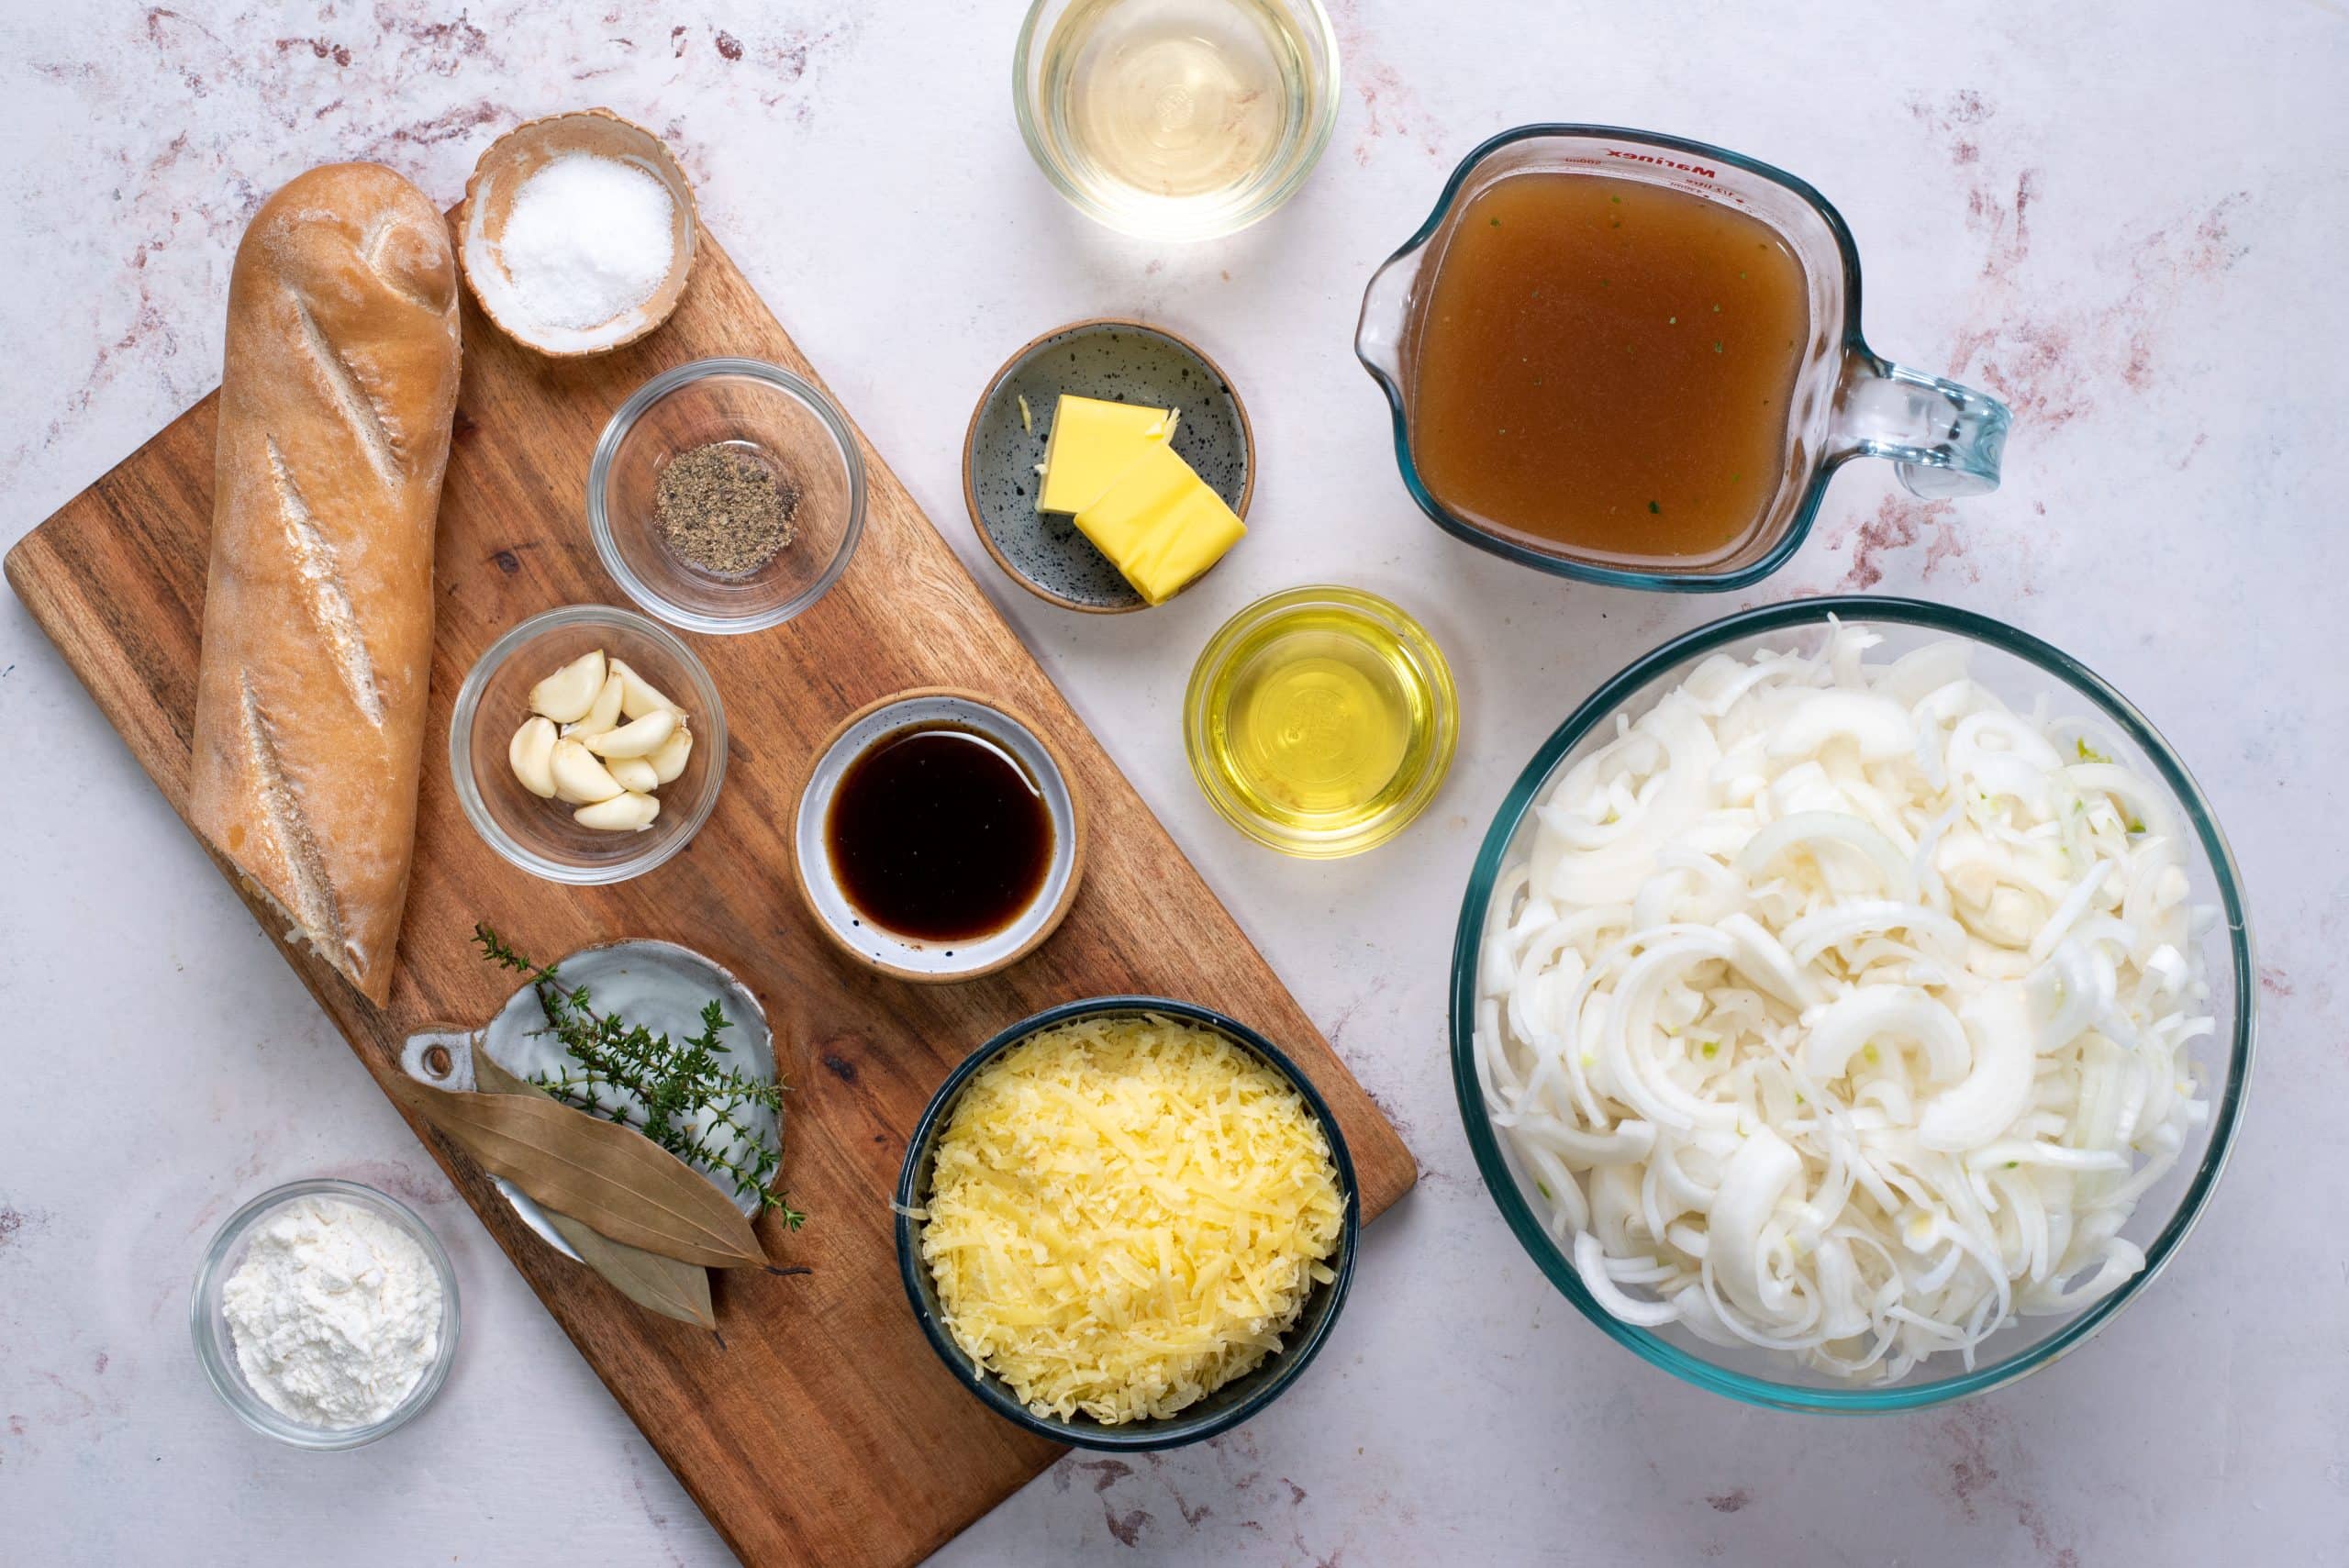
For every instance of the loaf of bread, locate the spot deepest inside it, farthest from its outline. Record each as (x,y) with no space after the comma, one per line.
(335,405)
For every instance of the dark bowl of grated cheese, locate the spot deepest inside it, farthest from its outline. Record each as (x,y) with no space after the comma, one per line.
(1127,1223)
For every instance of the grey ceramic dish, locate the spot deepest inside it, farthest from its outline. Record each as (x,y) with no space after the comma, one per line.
(656,984)
(1119,361)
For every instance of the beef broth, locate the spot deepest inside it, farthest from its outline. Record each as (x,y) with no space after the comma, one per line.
(1604,368)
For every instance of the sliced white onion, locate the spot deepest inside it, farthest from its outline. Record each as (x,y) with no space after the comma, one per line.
(1997,1086)
(1889,1013)
(1832,1010)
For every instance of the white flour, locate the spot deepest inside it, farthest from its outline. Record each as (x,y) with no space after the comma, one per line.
(334,1312)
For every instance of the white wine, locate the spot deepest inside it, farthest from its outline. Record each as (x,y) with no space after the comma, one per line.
(1176,117)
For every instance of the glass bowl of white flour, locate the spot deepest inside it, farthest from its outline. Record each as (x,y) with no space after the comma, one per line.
(325,1313)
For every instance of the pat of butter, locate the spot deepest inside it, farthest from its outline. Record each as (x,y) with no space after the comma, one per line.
(1159,524)
(1091,443)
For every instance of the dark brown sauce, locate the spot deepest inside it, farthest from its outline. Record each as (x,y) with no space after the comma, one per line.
(1604,368)
(938,834)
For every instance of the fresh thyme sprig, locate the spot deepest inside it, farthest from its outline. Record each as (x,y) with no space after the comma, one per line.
(663,1088)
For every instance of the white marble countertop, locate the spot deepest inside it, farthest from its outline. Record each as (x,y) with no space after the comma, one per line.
(2131,220)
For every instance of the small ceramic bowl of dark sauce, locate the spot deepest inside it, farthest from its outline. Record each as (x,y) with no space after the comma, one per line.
(1117,362)
(938,837)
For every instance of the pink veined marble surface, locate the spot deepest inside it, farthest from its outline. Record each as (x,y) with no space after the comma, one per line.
(2129,220)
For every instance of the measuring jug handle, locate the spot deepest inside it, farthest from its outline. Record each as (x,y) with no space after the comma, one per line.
(1947,439)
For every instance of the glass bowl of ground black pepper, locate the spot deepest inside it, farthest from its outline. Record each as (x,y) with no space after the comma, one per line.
(726,495)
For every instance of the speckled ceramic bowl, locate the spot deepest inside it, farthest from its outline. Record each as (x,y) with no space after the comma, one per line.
(1119,361)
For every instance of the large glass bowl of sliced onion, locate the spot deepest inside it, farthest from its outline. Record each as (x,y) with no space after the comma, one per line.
(1852,1004)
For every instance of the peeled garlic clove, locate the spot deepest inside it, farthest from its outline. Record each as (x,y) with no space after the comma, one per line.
(668,758)
(637,738)
(603,714)
(634,772)
(531,753)
(567,695)
(579,778)
(622,814)
(639,696)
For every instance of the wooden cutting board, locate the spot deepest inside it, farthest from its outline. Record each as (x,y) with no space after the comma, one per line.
(816,1425)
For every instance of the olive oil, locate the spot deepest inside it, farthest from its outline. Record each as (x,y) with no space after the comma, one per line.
(1172,114)
(1317,723)
(1321,725)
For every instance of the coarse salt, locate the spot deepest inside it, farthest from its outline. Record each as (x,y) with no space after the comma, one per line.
(589,238)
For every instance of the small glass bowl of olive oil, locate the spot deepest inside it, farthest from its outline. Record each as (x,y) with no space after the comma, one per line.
(1320,721)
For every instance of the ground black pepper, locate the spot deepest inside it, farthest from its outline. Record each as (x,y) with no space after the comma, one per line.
(724,510)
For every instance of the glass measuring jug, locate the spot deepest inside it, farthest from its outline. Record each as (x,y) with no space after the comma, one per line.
(1945,440)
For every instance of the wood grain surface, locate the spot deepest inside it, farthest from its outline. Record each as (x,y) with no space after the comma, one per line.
(816,1426)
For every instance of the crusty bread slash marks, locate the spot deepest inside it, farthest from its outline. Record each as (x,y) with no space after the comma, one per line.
(341,386)
(312,895)
(329,598)
(335,403)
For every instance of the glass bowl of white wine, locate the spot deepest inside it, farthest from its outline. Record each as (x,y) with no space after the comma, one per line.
(1176,119)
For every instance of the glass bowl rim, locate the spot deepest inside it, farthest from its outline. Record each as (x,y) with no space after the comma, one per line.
(1271,200)
(1176,1430)
(468,787)
(1631,682)
(616,430)
(1806,510)
(231,1388)
(1423,650)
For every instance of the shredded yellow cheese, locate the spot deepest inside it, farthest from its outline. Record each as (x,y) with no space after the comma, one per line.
(1127,1214)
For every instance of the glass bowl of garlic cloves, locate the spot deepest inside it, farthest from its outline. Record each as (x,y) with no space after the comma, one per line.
(587,745)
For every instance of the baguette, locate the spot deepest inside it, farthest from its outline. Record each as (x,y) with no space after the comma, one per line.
(336,400)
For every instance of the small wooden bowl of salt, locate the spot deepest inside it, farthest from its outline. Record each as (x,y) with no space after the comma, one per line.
(576,234)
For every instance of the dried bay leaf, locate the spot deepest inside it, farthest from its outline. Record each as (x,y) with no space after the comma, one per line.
(665,1286)
(607,1177)
(659,1285)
